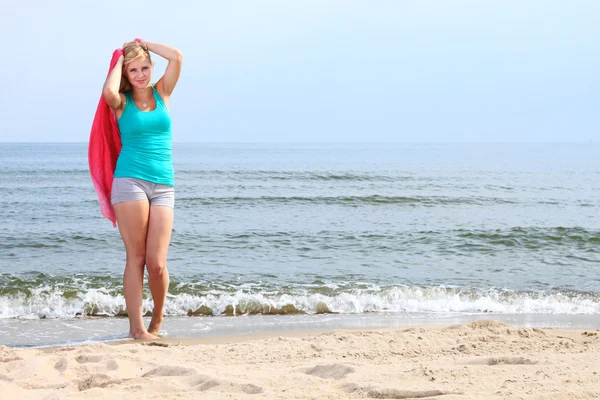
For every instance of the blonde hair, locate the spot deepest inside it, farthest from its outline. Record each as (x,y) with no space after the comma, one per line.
(131,52)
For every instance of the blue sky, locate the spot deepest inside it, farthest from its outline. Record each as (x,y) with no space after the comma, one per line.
(316,71)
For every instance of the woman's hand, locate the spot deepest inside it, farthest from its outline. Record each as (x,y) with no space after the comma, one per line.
(166,84)
(136,40)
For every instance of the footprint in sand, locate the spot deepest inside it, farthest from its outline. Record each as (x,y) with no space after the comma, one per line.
(61,365)
(251,389)
(169,370)
(97,380)
(157,344)
(330,371)
(354,388)
(405,394)
(373,393)
(111,365)
(5,378)
(204,383)
(92,358)
(7,355)
(500,361)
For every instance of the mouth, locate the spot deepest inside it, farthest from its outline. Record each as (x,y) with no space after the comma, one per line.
(141,82)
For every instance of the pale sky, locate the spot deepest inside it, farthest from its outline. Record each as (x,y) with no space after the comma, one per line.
(315,70)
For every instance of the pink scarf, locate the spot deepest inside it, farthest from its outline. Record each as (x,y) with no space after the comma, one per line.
(103,150)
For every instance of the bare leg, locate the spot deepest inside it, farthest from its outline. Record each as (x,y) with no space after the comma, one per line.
(157,244)
(132,219)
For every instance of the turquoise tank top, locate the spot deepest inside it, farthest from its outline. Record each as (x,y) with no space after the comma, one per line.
(147,143)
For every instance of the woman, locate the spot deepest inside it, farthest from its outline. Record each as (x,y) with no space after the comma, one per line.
(142,193)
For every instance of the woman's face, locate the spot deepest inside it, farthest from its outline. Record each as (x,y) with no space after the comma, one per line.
(139,73)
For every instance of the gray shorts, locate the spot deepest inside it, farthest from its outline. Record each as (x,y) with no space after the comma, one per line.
(132,189)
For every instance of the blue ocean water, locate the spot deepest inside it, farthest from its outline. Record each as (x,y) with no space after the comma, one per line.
(315,229)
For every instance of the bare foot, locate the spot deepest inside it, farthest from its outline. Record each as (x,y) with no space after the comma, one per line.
(155,323)
(142,335)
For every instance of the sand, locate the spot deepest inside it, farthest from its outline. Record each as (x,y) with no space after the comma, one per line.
(477,360)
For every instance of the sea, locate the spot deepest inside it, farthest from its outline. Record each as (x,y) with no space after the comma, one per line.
(282,237)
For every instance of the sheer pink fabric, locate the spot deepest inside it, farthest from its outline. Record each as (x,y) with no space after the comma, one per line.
(103,150)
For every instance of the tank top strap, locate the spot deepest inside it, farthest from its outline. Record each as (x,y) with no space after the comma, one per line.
(128,99)
(157,97)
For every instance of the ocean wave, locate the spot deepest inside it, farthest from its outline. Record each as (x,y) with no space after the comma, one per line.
(533,237)
(47,241)
(584,242)
(352,201)
(53,302)
(278,175)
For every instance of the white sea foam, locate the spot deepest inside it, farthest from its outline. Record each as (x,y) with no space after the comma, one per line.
(45,302)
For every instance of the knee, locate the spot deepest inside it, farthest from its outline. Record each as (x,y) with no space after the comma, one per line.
(137,258)
(156,266)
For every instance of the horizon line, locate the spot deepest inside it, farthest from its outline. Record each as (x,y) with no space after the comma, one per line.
(327,142)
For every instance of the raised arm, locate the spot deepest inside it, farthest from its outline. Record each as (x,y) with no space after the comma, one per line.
(110,91)
(167,82)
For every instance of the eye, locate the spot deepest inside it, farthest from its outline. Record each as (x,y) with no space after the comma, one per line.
(144,68)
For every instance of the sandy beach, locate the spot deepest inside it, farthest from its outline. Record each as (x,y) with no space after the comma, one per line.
(477,360)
